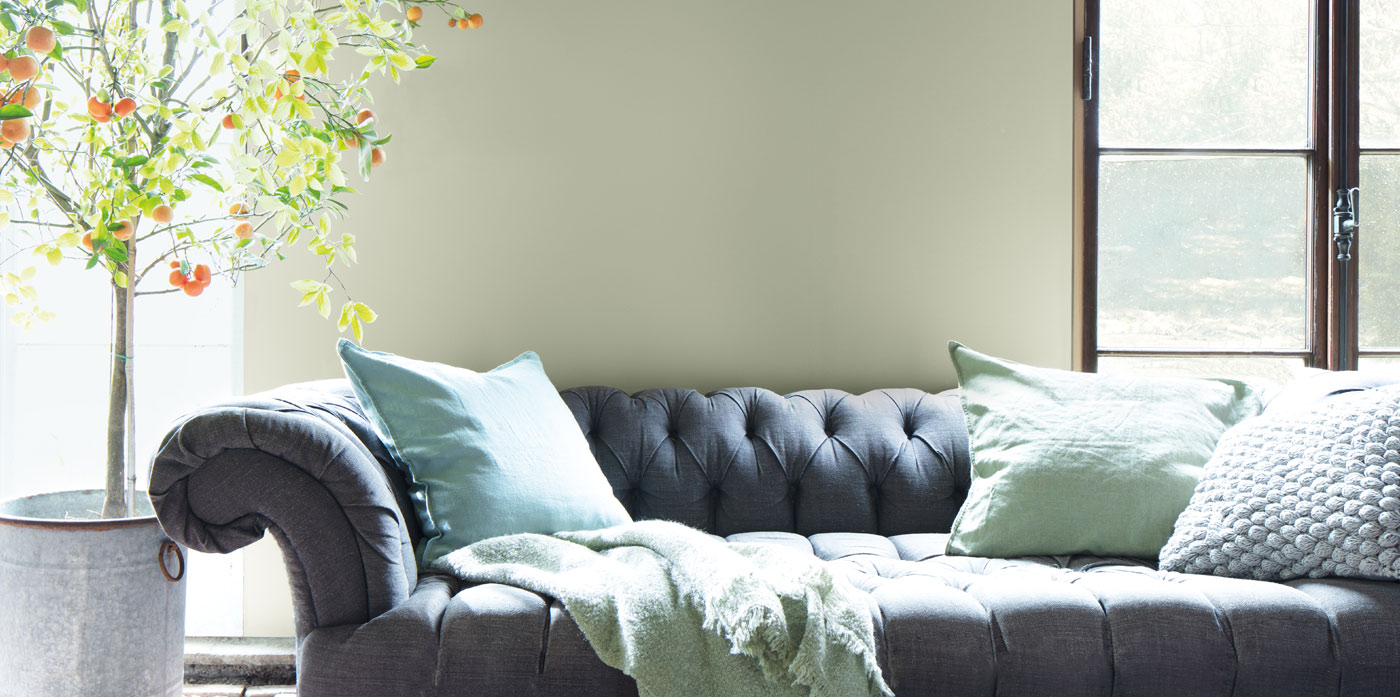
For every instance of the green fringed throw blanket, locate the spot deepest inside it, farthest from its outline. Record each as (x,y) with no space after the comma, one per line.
(685,614)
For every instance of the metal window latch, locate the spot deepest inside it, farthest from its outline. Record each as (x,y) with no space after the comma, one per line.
(1086,75)
(1344,222)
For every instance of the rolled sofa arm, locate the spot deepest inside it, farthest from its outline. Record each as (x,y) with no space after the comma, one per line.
(302,462)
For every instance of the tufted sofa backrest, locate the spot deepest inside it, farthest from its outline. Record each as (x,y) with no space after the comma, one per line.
(747,459)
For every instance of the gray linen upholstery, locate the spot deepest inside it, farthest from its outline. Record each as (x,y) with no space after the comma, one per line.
(871,482)
(303,463)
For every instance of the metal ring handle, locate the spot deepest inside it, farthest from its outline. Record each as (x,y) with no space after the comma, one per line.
(166,548)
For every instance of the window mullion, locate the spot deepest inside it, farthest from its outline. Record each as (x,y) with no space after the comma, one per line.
(1343,173)
(1087,186)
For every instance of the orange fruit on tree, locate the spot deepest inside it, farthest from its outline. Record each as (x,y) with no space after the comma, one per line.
(175,264)
(98,109)
(290,76)
(23,68)
(87,241)
(14,130)
(27,95)
(229,121)
(124,107)
(162,214)
(5,144)
(244,230)
(40,39)
(201,274)
(238,209)
(451,22)
(177,279)
(363,116)
(376,157)
(4,63)
(474,21)
(193,289)
(123,233)
(414,13)
(463,24)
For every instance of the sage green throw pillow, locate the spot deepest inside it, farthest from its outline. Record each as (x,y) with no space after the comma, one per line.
(1066,462)
(487,454)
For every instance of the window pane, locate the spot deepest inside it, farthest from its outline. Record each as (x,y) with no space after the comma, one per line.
(1202,252)
(1379,80)
(1378,251)
(53,407)
(1203,73)
(1265,371)
(1384,364)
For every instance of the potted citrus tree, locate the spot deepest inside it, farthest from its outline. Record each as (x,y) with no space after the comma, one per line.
(167,145)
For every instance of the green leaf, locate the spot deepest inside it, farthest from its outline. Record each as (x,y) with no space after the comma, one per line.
(120,279)
(364,158)
(63,28)
(80,4)
(307,286)
(207,181)
(7,21)
(424,61)
(14,111)
(347,312)
(133,161)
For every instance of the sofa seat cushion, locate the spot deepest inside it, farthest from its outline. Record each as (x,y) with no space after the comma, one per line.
(945,625)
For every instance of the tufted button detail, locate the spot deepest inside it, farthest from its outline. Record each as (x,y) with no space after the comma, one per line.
(731,432)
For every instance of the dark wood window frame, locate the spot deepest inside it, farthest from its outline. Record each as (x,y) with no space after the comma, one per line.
(1333,163)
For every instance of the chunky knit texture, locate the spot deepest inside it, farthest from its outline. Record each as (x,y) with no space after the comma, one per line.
(1309,492)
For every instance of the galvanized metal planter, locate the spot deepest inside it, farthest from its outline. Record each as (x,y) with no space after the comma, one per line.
(88,607)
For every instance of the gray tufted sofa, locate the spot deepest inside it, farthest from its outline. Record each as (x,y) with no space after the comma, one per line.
(870,481)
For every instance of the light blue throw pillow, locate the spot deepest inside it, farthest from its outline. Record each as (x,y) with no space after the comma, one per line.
(487,454)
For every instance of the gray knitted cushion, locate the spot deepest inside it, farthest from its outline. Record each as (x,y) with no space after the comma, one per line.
(1309,492)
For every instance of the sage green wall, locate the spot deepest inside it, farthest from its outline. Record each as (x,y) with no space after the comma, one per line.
(785,193)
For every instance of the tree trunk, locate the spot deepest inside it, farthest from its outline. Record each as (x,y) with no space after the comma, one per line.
(115,505)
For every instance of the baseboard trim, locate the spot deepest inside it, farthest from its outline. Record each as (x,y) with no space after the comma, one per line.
(242,660)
